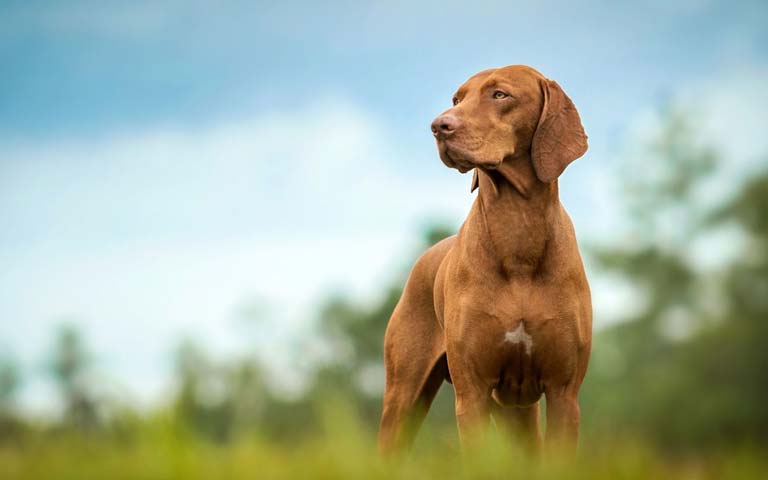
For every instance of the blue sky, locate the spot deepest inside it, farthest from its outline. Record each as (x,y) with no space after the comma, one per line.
(166,165)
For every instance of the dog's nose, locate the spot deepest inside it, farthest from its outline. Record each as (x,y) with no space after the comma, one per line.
(444,125)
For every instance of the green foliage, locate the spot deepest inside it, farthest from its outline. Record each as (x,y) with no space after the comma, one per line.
(70,368)
(218,401)
(10,425)
(9,381)
(160,448)
(357,331)
(686,370)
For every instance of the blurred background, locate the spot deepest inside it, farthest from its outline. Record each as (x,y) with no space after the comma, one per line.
(208,211)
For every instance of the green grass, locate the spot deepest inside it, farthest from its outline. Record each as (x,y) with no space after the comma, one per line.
(339,458)
(161,449)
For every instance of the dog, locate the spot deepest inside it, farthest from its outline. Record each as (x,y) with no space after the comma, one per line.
(502,309)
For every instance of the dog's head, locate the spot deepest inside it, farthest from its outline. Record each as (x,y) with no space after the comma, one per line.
(503,113)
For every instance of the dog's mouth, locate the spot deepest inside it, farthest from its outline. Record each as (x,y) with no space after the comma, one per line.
(454,156)
(452,160)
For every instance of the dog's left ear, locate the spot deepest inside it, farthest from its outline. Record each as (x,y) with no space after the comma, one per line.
(559,138)
(475,181)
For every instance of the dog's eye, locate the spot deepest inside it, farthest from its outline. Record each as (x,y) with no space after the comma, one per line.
(455,101)
(498,95)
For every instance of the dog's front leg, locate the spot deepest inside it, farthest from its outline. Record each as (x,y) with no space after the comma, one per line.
(522,424)
(472,415)
(563,417)
(563,412)
(473,395)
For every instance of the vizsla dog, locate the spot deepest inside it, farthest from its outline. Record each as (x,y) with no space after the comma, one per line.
(502,309)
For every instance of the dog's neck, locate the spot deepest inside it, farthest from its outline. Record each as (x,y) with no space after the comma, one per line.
(515,214)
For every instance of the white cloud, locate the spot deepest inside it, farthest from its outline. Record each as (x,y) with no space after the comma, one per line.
(328,166)
(146,236)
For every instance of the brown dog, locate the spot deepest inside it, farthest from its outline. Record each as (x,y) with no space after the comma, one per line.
(502,310)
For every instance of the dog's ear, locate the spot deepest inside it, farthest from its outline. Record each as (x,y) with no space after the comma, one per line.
(475,181)
(559,138)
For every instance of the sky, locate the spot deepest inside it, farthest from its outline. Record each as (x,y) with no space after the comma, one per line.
(167,167)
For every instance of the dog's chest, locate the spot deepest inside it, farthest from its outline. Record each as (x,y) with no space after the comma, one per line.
(513,301)
(522,315)
(519,336)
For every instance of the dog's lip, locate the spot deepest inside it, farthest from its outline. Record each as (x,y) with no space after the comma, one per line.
(461,159)
(459,163)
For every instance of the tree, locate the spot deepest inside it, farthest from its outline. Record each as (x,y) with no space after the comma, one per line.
(9,382)
(218,399)
(356,332)
(685,366)
(70,368)
(10,425)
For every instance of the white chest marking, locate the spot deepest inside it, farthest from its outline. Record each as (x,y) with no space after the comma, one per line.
(519,335)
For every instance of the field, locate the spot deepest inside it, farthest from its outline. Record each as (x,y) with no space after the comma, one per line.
(161,449)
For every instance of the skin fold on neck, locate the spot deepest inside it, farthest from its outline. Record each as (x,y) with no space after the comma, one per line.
(516,212)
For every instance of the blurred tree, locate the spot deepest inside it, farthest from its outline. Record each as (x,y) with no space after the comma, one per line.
(200,403)
(685,367)
(69,367)
(218,401)
(9,382)
(247,395)
(356,333)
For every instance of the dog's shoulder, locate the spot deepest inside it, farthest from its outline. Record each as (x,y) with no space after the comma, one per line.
(429,261)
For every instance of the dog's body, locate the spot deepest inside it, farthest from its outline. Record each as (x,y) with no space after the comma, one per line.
(502,309)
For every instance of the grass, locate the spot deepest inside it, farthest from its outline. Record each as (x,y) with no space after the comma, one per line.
(160,449)
(340,458)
